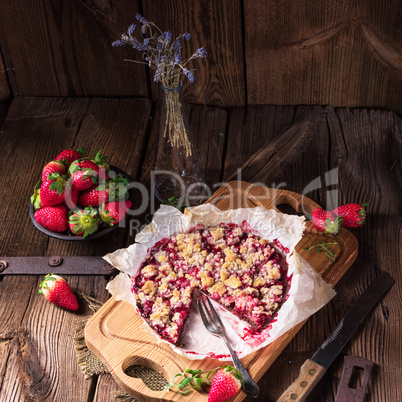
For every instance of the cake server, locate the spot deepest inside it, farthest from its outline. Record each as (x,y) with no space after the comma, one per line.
(313,369)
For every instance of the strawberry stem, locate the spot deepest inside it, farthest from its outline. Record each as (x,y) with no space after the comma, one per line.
(332,227)
(84,222)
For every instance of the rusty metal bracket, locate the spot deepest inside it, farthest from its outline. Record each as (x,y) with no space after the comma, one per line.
(345,392)
(55,264)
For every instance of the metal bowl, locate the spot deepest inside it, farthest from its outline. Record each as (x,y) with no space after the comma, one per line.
(96,235)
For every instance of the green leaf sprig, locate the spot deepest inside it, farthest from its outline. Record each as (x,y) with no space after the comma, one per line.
(191,379)
(322,247)
(176,202)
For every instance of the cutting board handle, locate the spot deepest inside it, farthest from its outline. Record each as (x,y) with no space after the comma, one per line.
(157,360)
(262,195)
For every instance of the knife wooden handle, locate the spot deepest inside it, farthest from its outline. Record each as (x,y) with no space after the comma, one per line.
(310,374)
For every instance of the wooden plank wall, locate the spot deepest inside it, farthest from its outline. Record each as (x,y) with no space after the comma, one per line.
(344,53)
(5,90)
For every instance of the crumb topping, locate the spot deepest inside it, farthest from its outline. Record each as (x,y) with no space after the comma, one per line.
(238,269)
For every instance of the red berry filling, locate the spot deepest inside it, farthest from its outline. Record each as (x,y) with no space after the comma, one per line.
(238,269)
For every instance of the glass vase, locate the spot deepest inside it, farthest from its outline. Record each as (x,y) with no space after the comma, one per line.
(178,178)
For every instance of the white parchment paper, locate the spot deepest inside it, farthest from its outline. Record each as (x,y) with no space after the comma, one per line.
(307,293)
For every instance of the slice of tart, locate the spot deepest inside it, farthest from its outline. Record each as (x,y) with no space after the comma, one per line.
(238,269)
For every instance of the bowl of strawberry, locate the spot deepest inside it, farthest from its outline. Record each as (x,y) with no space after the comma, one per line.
(80,197)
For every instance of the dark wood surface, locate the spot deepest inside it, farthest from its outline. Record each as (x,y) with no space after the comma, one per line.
(5,91)
(344,54)
(323,53)
(285,146)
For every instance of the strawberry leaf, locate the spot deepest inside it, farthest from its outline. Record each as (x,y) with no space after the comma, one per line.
(101,187)
(120,179)
(82,151)
(43,284)
(84,222)
(106,218)
(101,159)
(54,176)
(74,167)
(35,198)
(87,173)
(57,186)
(118,188)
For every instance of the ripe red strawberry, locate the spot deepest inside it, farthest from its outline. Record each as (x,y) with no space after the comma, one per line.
(70,155)
(52,167)
(226,383)
(52,191)
(84,173)
(35,198)
(58,291)
(353,215)
(71,196)
(96,195)
(112,190)
(326,221)
(84,222)
(53,218)
(113,212)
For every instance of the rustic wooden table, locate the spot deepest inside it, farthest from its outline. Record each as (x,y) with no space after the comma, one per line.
(280,146)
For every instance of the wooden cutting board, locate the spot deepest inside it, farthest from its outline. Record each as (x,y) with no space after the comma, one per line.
(114,333)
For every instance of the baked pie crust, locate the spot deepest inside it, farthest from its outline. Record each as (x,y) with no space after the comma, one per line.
(238,269)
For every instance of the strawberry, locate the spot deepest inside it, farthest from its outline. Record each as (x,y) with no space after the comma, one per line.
(94,196)
(84,173)
(70,155)
(84,222)
(326,221)
(113,212)
(353,215)
(35,198)
(52,167)
(58,291)
(226,383)
(53,218)
(52,191)
(71,196)
(113,190)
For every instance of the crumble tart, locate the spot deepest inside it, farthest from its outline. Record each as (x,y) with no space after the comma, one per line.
(238,269)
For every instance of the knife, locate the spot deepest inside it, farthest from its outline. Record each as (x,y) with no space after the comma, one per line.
(313,369)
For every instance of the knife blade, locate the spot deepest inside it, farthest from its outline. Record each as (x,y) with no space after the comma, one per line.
(313,369)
